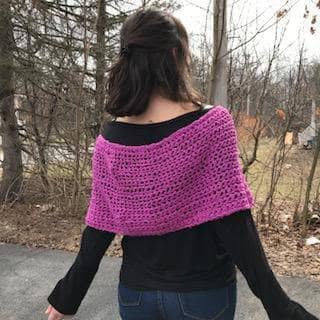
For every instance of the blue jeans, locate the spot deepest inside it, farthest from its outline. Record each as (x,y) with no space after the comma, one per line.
(212,304)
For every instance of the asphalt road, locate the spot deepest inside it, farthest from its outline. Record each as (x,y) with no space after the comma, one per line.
(27,276)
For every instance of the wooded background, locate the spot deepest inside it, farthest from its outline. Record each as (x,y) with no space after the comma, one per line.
(53,57)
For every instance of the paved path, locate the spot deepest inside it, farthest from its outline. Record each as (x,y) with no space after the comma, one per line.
(28,275)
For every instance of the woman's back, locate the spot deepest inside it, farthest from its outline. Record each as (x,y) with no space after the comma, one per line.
(187,259)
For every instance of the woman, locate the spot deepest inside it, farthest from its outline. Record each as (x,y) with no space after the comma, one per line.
(167,176)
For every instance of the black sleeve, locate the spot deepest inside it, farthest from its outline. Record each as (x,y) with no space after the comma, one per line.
(240,238)
(69,292)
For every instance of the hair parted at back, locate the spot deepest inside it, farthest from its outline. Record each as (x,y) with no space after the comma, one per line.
(147,64)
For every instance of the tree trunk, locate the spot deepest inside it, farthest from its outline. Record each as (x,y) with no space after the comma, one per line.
(12,169)
(305,210)
(100,61)
(217,91)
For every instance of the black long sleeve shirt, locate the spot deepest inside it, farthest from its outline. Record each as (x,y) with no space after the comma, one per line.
(196,258)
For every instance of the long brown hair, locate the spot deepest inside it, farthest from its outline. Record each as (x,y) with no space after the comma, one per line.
(147,64)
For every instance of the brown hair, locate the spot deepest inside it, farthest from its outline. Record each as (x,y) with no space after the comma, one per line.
(147,63)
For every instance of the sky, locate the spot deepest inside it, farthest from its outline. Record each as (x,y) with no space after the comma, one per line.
(257,14)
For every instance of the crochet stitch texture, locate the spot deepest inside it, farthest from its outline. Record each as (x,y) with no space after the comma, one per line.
(190,177)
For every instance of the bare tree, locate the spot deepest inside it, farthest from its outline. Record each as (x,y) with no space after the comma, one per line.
(217,89)
(100,59)
(12,169)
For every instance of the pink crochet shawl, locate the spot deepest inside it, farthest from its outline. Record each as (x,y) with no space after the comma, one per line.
(190,177)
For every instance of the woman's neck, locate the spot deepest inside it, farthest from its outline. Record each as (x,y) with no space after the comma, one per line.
(160,109)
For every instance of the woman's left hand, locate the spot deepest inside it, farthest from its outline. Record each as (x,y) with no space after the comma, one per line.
(54,314)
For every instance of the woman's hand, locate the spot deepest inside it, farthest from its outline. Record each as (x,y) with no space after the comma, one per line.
(53,314)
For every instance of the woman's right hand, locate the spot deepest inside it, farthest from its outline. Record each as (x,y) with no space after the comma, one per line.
(248,254)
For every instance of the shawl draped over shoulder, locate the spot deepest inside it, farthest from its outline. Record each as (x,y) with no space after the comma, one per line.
(190,177)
